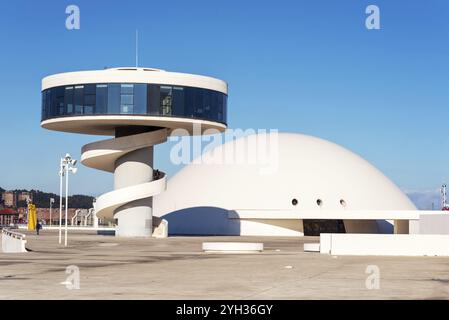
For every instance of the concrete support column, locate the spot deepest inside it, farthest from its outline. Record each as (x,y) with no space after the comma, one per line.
(401,227)
(135,217)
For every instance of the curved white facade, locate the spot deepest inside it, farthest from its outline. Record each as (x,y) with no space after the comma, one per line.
(134,75)
(322,176)
(106,124)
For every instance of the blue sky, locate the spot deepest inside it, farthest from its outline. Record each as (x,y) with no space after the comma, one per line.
(298,66)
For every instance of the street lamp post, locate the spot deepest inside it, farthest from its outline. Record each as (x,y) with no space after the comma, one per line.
(69,167)
(61,174)
(52,200)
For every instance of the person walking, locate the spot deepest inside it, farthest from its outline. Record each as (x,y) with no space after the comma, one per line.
(38,227)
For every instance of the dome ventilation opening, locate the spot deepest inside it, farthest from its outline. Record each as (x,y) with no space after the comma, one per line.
(343,203)
(319,202)
(294,202)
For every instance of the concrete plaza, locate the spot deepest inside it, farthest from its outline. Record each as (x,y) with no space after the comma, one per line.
(176,268)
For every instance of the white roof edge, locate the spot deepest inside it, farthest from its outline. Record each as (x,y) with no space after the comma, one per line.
(134,75)
(331,214)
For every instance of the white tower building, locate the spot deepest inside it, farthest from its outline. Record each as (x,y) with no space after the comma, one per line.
(140,107)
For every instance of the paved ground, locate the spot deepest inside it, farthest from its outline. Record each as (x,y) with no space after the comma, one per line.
(175,268)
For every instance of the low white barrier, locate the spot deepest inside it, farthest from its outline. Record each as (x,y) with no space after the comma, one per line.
(384,244)
(13,242)
(311,247)
(232,247)
(73,228)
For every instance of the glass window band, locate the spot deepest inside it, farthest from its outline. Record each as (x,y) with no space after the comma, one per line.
(137,99)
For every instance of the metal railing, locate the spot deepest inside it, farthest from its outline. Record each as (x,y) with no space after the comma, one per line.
(13,234)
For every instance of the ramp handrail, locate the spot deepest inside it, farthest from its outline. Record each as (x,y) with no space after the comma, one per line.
(16,235)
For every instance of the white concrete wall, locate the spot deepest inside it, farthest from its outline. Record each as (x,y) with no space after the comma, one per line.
(384,244)
(216,222)
(434,223)
(13,244)
(134,75)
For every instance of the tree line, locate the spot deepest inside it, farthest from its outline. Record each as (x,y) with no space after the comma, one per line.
(42,199)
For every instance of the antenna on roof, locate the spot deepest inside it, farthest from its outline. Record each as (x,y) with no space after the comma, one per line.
(137,48)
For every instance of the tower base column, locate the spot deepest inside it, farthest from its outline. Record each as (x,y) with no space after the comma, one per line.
(134,218)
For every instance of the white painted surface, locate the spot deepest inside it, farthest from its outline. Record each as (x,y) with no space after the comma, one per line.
(326,243)
(332,214)
(385,244)
(103,155)
(201,197)
(13,242)
(436,223)
(413,226)
(160,228)
(311,247)
(106,124)
(134,75)
(232,247)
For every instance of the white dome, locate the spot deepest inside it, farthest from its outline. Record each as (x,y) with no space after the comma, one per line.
(302,167)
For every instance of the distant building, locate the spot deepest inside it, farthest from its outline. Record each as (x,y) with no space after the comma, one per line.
(9,199)
(43,214)
(25,196)
(8,216)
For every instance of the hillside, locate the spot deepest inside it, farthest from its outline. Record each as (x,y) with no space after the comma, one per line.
(42,199)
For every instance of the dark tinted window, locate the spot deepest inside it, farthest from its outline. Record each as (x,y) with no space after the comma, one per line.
(139,99)
(166,100)
(89,89)
(101,99)
(89,99)
(114,98)
(79,99)
(59,100)
(154,99)
(189,101)
(178,100)
(68,99)
(127,98)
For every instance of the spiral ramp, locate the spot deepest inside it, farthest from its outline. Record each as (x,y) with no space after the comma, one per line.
(130,158)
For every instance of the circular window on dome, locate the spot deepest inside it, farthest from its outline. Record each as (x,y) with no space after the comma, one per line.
(319,202)
(343,202)
(294,202)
